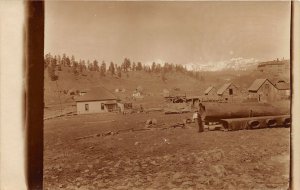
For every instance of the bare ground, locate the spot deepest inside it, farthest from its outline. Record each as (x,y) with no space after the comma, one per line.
(161,159)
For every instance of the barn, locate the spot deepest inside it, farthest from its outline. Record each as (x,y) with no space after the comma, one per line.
(210,94)
(97,100)
(228,92)
(263,90)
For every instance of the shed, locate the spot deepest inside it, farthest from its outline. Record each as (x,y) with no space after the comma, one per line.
(263,90)
(283,89)
(97,100)
(228,91)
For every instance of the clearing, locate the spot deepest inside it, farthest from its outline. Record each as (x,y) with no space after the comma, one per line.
(177,158)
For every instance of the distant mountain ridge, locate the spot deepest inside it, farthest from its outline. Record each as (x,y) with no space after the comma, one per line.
(235,64)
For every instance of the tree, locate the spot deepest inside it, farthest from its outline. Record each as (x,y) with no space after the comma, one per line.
(126,64)
(119,71)
(58,60)
(158,68)
(75,68)
(139,66)
(63,60)
(89,65)
(133,66)
(95,65)
(72,60)
(153,66)
(103,69)
(68,61)
(111,68)
(47,60)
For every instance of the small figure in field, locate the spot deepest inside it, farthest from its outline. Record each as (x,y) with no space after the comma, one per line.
(141,108)
(200,117)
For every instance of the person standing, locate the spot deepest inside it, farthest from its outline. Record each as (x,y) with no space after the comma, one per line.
(201,117)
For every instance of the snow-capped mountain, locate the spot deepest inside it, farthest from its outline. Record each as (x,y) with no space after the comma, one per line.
(236,64)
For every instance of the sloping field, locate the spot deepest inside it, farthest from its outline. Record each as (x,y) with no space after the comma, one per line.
(161,159)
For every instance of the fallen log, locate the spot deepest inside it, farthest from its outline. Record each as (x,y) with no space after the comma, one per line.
(89,136)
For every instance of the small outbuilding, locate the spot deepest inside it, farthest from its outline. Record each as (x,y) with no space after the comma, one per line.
(97,100)
(263,90)
(283,89)
(228,92)
(210,94)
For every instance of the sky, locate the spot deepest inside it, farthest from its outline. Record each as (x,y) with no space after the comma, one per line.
(174,32)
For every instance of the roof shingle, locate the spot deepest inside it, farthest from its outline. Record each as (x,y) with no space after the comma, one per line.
(208,89)
(257,84)
(223,88)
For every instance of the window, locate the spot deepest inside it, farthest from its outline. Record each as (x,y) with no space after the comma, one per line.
(102,106)
(230,91)
(86,107)
(267,86)
(110,107)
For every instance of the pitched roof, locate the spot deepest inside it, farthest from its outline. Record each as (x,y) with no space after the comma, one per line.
(208,89)
(283,86)
(257,84)
(96,94)
(223,88)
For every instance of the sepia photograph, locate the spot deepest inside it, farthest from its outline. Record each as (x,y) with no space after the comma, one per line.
(149,95)
(167,95)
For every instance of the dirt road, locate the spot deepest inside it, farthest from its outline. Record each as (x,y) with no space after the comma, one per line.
(161,159)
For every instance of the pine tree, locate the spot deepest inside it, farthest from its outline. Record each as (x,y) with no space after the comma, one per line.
(153,66)
(119,71)
(158,68)
(139,66)
(133,66)
(103,69)
(111,68)
(126,64)
(63,60)
(47,60)
(72,60)
(68,61)
(95,66)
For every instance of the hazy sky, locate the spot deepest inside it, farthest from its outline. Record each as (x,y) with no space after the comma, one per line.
(178,32)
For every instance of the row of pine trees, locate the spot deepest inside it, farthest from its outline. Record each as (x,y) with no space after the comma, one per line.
(55,63)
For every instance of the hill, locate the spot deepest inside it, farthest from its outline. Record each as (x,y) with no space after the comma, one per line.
(151,83)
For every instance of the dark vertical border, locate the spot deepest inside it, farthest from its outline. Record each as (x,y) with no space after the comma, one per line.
(291,87)
(34,48)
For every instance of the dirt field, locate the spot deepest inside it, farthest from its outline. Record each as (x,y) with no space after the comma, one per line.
(161,159)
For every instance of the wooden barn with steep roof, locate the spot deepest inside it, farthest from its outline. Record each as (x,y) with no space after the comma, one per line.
(228,92)
(263,90)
